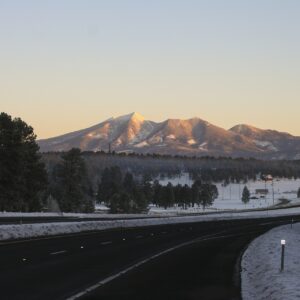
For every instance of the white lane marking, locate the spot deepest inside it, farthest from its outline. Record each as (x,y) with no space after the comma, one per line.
(24,259)
(266,223)
(58,252)
(138,236)
(111,278)
(81,247)
(106,243)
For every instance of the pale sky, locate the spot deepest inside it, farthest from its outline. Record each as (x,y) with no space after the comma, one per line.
(68,64)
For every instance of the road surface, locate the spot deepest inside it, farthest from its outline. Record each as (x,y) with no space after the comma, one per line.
(201,265)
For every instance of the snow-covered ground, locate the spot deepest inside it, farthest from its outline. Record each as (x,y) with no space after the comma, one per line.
(102,215)
(229,199)
(46,229)
(230,195)
(261,276)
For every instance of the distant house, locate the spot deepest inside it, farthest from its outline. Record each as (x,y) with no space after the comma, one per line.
(261,191)
(267,177)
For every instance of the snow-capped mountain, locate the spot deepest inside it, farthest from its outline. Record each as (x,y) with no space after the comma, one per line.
(132,133)
(282,143)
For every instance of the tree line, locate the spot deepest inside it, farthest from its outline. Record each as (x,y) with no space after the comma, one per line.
(124,193)
(209,169)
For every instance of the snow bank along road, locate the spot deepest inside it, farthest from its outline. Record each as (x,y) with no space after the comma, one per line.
(19,231)
(261,275)
(62,267)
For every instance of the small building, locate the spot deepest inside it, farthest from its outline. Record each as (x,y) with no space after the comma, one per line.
(261,191)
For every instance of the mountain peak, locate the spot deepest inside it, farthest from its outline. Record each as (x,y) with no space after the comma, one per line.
(133,116)
(137,116)
(244,128)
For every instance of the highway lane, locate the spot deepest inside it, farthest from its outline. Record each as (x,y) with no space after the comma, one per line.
(59,267)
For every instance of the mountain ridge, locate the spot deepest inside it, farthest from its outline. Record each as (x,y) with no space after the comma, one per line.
(194,137)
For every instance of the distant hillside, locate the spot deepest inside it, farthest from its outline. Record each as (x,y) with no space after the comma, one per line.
(132,133)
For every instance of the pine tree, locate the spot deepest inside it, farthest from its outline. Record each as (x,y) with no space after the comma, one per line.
(111,183)
(208,193)
(23,177)
(74,191)
(246,195)
(148,189)
(167,196)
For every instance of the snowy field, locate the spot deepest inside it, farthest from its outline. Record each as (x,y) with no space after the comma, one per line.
(261,276)
(229,199)
(9,232)
(230,195)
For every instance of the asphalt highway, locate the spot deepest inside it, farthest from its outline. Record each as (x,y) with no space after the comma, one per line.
(192,261)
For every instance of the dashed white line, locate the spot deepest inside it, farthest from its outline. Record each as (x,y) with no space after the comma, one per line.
(58,252)
(106,243)
(108,279)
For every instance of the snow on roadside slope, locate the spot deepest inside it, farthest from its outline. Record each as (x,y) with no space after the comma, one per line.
(8,232)
(73,215)
(261,276)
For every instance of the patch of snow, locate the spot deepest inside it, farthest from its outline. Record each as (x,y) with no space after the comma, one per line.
(191,142)
(96,135)
(182,179)
(156,139)
(203,146)
(118,142)
(142,144)
(171,136)
(266,144)
(261,275)
(8,232)
(144,132)
(230,195)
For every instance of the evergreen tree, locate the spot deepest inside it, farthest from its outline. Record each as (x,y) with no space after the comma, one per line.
(148,189)
(128,184)
(74,191)
(187,196)
(22,174)
(121,195)
(246,195)
(111,183)
(120,203)
(157,193)
(196,188)
(208,193)
(167,198)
